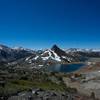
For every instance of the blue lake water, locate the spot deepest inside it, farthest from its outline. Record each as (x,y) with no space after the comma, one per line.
(65,67)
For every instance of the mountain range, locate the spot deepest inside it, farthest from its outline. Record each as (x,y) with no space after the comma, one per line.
(53,55)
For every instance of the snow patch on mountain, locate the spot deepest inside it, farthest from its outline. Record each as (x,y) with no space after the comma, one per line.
(36,57)
(1,47)
(56,56)
(96,50)
(27,58)
(51,54)
(71,50)
(64,57)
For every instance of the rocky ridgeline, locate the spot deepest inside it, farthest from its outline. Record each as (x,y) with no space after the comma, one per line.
(53,55)
(40,94)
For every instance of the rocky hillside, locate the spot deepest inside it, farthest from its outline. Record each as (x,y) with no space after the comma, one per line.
(8,54)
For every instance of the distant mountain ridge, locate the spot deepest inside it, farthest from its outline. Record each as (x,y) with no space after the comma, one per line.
(8,54)
(55,54)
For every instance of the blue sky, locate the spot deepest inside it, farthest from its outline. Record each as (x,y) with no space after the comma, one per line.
(42,23)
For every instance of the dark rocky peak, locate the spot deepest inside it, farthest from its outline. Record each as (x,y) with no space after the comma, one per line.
(55,47)
(57,50)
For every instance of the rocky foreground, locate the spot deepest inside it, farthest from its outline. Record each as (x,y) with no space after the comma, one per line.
(33,84)
(40,94)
